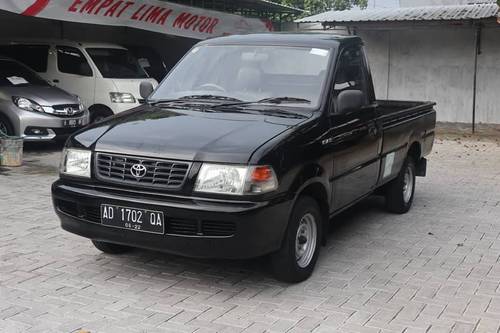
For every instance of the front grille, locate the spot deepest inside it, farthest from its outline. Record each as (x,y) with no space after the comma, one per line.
(146,172)
(88,213)
(67,110)
(191,227)
(215,228)
(185,227)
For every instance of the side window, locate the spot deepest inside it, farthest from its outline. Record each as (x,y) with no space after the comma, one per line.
(351,73)
(33,56)
(71,61)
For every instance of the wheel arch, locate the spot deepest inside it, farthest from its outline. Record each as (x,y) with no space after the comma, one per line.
(9,122)
(316,189)
(101,108)
(415,151)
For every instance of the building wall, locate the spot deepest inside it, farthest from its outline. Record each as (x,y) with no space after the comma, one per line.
(437,64)
(488,78)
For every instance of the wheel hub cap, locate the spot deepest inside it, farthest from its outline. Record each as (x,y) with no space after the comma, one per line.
(408,185)
(305,243)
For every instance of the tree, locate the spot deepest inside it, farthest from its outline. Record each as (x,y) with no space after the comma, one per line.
(318,6)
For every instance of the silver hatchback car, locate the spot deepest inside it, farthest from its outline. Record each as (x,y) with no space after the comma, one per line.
(32,108)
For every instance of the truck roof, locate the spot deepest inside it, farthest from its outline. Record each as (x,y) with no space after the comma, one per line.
(286,39)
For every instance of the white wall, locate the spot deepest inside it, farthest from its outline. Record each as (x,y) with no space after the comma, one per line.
(437,64)
(488,78)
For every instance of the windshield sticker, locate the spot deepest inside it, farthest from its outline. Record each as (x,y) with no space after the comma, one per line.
(320,52)
(17,80)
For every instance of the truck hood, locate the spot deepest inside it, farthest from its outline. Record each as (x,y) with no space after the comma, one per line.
(185,134)
(43,95)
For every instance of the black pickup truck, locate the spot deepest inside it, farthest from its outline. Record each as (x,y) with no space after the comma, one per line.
(248,148)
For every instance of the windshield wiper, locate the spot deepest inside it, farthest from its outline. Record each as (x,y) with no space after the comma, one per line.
(284,99)
(196,97)
(269,112)
(271,100)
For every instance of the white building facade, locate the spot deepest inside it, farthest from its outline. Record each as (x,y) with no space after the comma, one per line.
(447,54)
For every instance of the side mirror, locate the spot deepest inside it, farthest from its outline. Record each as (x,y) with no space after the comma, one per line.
(146,89)
(350,100)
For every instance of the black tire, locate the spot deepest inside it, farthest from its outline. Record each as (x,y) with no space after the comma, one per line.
(284,263)
(111,248)
(6,126)
(98,113)
(399,197)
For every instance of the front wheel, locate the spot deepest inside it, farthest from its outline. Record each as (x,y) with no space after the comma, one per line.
(400,192)
(296,259)
(111,248)
(5,127)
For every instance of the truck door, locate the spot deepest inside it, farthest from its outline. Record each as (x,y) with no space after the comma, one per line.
(355,136)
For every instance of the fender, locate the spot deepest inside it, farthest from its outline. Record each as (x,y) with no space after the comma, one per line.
(313,174)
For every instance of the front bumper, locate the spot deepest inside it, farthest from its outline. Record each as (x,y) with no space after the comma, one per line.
(237,229)
(52,127)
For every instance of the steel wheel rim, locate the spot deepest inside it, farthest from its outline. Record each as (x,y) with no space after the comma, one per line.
(305,240)
(408,184)
(3,128)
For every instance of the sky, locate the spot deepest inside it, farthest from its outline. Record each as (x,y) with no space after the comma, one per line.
(383,3)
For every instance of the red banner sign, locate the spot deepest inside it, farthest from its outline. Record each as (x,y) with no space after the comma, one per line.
(152,15)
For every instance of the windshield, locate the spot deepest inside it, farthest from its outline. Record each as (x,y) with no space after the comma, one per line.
(249,73)
(13,74)
(117,63)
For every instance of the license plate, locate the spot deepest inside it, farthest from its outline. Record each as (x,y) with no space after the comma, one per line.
(135,219)
(73,123)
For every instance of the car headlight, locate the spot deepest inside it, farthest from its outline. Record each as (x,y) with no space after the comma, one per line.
(27,104)
(81,107)
(236,180)
(76,162)
(118,97)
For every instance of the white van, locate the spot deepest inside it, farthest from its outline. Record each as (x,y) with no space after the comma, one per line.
(105,76)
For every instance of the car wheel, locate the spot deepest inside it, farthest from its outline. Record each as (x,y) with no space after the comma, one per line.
(5,127)
(296,259)
(98,113)
(111,248)
(400,191)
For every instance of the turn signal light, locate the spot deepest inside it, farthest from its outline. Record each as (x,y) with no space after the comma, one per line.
(261,174)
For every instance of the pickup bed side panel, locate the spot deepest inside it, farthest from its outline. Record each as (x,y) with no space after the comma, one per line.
(402,129)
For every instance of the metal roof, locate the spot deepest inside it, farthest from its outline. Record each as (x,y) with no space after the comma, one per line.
(425,13)
(251,6)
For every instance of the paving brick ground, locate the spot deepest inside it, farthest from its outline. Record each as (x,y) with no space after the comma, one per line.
(435,269)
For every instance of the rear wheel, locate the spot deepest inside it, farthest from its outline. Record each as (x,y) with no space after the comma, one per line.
(400,191)
(296,259)
(111,248)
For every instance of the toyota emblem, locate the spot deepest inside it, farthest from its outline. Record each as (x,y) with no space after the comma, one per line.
(138,171)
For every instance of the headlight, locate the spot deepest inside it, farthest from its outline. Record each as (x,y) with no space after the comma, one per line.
(81,107)
(27,104)
(118,97)
(76,162)
(236,180)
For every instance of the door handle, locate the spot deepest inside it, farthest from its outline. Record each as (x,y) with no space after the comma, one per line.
(55,81)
